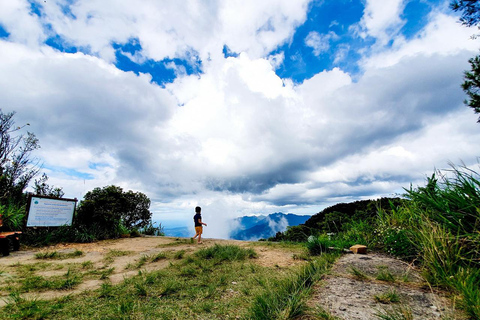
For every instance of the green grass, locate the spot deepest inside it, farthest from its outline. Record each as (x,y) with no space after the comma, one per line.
(385,275)
(388,297)
(226,253)
(38,283)
(286,298)
(358,274)
(112,254)
(58,255)
(321,314)
(398,313)
(218,281)
(159,256)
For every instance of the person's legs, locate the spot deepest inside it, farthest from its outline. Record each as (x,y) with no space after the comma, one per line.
(198,232)
(200,229)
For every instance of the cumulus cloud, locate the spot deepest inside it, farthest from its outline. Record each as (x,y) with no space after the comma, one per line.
(381,19)
(236,139)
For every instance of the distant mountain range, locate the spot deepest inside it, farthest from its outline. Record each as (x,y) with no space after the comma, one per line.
(250,227)
(263,227)
(182,232)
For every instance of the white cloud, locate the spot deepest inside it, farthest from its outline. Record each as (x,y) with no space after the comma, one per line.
(381,19)
(320,43)
(442,35)
(236,139)
(23,27)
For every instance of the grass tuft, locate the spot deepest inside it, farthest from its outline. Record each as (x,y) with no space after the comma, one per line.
(388,297)
(226,253)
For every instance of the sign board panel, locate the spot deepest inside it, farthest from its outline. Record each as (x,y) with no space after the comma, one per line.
(50,212)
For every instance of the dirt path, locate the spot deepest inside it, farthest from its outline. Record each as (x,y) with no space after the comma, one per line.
(358,287)
(115,260)
(363,286)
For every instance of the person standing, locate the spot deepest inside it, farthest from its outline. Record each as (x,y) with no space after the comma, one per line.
(197,218)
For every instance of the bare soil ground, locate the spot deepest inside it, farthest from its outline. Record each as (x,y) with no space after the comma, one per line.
(96,255)
(353,290)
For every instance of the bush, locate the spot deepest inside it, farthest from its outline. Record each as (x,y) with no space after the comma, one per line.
(110,212)
(151,230)
(12,216)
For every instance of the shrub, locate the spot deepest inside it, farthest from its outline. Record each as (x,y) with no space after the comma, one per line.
(110,212)
(12,216)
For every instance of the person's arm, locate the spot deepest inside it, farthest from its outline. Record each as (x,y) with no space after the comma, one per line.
(200,220)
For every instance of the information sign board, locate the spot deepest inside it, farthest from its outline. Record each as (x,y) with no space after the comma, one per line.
(50,212)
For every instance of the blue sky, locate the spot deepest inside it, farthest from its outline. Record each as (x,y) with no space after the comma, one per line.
(242,107)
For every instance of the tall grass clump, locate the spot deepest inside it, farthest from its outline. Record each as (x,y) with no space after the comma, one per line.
(286,299)
(226,253)
(445,229)
(12,216)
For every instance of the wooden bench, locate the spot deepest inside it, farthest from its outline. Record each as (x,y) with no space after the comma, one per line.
(6,237)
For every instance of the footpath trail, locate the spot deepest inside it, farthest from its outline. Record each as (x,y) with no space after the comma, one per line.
(365,286)
(358,286)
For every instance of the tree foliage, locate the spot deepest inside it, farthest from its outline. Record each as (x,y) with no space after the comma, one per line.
(470,10)
(41,188)
(104,211)
(17,168)
(470,17)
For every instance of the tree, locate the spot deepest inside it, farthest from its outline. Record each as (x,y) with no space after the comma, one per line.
(104,210)
(43,189)
(470,17)
(17,168)
(470,11)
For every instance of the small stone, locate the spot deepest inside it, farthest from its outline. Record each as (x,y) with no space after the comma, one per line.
(358,248)
(342,309)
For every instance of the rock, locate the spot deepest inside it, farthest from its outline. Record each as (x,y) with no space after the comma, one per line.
(358,248)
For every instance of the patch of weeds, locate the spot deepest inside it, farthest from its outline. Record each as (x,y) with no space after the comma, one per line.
(105,274)
(321,314)
(141,262)
(87,264)
(188,272)
(74,254)
(226,253)
(71,280)
(140,289)
(170,287)
(388,297)
(58,255)
(4,274)
(112,254)
(398,313)
(179,254)
(287,299)
(301,256)
(106,290)
(159,256)
(39,283)
(384,274)
(152,277)
(358,274)
(46,255)
(207,306)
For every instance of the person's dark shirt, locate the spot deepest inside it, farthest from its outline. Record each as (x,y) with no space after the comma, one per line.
(197,219)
